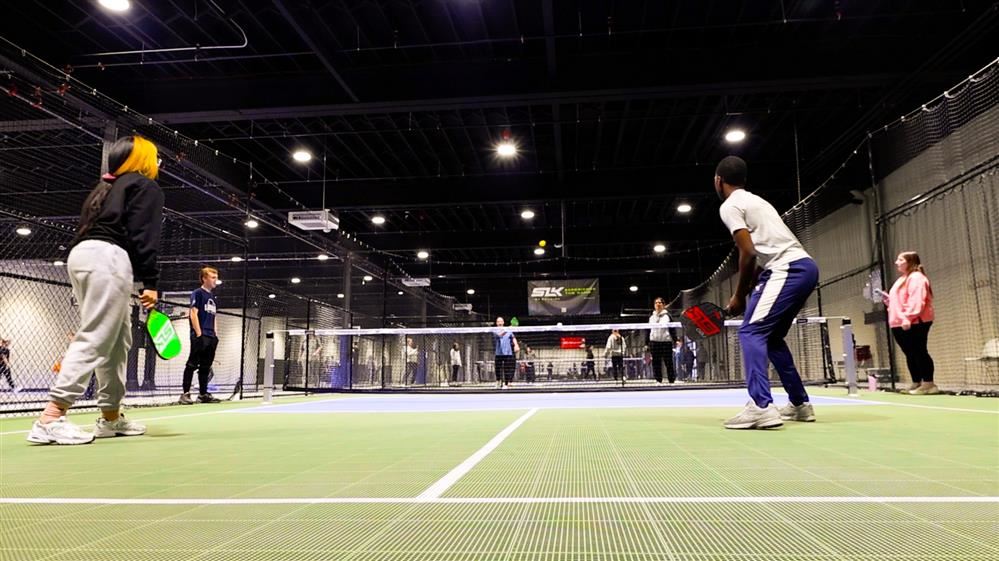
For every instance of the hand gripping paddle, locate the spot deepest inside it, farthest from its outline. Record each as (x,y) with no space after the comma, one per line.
(163,335)
(703,320)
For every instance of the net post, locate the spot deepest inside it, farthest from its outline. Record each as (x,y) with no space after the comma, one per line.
(269,368)
(849,365)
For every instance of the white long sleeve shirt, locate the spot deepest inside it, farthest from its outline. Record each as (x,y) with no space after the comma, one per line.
(660,335)
(455,357)
(615,346)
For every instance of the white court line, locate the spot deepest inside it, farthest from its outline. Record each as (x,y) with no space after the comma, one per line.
(497,500)
(876,402)
(452,477)
(937,407)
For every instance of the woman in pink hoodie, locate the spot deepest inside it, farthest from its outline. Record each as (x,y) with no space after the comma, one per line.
(910,315)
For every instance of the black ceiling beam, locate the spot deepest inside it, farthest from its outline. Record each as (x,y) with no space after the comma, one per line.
(576,268)
(826,83)
(39,125)
(631,234)
(303,26)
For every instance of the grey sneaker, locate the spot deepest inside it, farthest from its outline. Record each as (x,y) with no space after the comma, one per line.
(119,427)
(59,432)
(185,399)
(802,413)
(208,398)
(752,417)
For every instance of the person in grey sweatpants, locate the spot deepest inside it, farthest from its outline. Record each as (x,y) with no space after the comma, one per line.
(101,275)
(116,244)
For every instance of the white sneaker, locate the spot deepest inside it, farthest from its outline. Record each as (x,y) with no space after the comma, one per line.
(59,432)
(803,413)
(752,417)
(119,427)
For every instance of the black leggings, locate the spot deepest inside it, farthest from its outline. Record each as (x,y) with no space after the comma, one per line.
(913,345)
(201,358)
(617,366)
(504,365)
(662,351)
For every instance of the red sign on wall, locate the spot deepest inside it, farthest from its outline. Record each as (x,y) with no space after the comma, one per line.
(573,342)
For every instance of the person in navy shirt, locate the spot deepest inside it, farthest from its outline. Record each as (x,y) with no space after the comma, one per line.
(204,339)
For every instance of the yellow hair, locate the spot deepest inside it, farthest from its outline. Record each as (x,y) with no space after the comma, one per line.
(142,160)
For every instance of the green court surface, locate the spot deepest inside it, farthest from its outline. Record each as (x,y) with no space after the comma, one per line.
(899,478)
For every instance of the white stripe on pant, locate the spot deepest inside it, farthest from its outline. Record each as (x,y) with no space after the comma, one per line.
(101,275)
(778,276)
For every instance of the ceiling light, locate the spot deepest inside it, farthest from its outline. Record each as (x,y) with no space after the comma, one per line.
(470,291)
(633,288)
(506,149)
(659,248)
(378,219)
(235,259)
(368,278)
(302,155)
(218,282)
(251,223)
(58,263)
(684,208)
(422,254)
(527,214)
(401,293)
(115,5)
(339,295)
(272,296)
(735,135)
(295,280)
(322,257)
(23,231)
(539,251)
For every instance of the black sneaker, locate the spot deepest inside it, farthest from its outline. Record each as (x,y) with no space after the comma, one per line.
(208,398)
(185,399)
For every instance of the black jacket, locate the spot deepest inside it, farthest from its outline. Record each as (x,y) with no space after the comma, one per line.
(131,218)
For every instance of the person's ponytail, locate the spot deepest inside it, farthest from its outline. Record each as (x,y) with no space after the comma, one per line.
(94,203)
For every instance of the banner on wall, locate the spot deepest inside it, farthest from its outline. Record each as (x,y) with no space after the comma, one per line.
(565,297)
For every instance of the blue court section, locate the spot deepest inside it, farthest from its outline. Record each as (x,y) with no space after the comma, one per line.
(394,403)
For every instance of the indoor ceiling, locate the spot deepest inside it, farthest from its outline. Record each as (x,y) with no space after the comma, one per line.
(618,111)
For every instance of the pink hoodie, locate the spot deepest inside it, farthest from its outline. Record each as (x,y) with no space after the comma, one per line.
(910,297)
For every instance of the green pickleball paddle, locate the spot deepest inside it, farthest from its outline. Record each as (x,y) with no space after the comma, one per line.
(163,335)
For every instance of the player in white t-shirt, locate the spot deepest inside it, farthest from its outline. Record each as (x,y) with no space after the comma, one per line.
(788,277)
